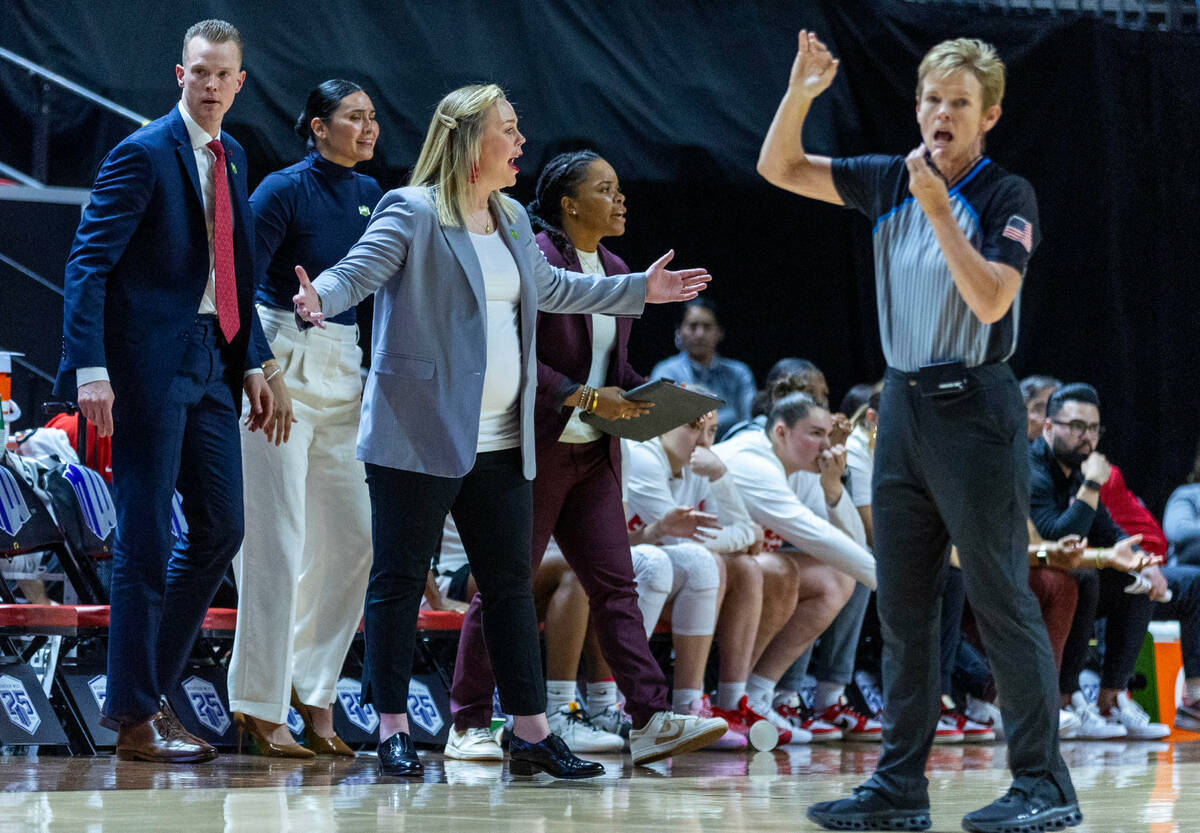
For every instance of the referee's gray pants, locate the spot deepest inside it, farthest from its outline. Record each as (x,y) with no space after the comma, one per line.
(957,468)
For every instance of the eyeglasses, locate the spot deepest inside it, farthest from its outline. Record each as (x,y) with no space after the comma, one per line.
(1077,427)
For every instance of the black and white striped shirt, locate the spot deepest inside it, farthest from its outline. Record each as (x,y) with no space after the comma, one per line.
(922,317)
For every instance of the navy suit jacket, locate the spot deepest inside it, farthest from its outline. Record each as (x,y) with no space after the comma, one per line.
(139,265)
(565,354)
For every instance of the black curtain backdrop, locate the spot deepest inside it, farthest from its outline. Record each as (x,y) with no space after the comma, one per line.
(677,95)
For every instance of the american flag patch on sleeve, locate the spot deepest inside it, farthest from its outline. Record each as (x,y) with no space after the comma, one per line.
(1021,230)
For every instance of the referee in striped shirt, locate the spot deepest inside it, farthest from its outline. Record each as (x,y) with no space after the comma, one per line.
(952,234)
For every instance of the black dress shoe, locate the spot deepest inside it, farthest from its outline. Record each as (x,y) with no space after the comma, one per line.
(550,756)
(869,809)
(398,756)
(1017,812)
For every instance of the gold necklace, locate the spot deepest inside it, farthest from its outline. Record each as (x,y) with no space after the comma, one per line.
(488,228)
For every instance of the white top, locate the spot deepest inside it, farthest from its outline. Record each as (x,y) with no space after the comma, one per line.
(604,338)
(499,411)
(793,510)
(452,554)
(651,492)
(860,460)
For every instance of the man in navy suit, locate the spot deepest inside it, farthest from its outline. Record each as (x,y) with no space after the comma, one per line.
(160,338)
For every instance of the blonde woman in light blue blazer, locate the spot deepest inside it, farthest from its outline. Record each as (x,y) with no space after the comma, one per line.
(447,415)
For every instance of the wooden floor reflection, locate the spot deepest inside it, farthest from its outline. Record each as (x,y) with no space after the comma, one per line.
(1152,787)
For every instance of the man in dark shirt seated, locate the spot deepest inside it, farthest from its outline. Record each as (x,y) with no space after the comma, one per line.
(1066,473)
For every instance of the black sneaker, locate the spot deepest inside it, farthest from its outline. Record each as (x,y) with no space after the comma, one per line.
(868,809)
(1016,812)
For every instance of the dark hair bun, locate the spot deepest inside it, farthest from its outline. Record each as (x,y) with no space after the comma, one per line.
(303,127)
(787,385)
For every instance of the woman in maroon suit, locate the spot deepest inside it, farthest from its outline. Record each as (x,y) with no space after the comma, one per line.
(582,366)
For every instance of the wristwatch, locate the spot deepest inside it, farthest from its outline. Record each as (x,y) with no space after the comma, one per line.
(1091,484)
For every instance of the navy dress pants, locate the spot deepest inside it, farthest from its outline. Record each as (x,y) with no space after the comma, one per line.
(956,468)
(161,588)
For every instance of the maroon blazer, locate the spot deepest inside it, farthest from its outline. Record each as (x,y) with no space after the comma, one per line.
(564,355)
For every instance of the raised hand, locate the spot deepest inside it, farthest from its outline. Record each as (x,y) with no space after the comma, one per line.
(814,68)
(1096,467)
(706,464)
(926,182)
(665,287)
(832,464)
(841,430)
(307,301)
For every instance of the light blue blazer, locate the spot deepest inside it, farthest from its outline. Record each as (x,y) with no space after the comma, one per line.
(421,403)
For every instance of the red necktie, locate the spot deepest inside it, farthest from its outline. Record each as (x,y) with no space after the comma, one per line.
(224,278)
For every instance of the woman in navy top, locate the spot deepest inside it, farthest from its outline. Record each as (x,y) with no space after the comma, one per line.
(302,573)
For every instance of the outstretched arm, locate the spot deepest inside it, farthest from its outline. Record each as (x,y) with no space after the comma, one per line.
(782,160)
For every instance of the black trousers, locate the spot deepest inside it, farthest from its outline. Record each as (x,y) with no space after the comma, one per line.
(492,507)
(957,468)
(1102,596)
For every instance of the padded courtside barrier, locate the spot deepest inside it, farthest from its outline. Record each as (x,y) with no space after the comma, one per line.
(50,620)
(219,622)
(26,715)
(439,620)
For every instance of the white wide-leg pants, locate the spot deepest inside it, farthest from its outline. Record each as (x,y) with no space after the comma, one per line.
(306,557)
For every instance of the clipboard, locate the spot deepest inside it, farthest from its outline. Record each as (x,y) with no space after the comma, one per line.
(674,405)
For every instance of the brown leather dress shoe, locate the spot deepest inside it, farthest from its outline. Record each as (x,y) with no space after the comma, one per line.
(164,705)
(158,739)
(321,745)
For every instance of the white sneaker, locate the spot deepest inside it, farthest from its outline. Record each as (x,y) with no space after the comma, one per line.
(475,744)
(986,714)
(1091,725)
(613,720)
(1135,720)
(575,727)
(801,716)
(1068,723)
(668,733)
(853,724)
(971,731)
(948,730)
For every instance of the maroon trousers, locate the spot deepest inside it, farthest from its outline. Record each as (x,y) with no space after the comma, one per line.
(577,499)
(1057,594)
